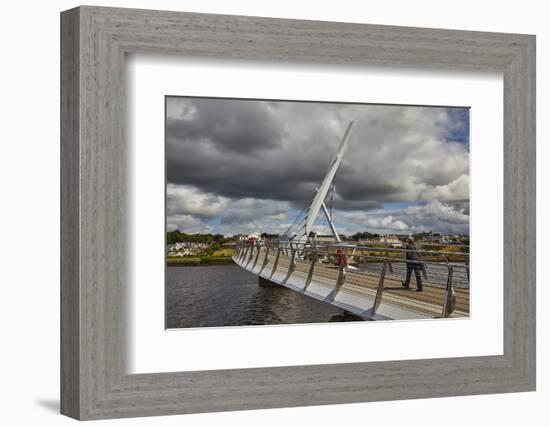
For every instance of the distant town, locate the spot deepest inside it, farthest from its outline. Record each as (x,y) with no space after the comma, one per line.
(195,249)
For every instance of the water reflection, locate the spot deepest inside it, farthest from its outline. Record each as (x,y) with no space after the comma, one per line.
(227,295)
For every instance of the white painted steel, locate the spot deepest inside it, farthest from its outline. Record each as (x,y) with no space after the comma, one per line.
(321,194)
(323,290)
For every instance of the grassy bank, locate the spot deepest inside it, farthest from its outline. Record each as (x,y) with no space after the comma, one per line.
(219,257)
(193,261)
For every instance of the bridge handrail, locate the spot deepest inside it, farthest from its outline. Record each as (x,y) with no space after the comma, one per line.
(331,250)
(345,245)
(361,247)
(245,252)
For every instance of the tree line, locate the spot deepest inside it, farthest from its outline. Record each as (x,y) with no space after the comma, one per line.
(177,236)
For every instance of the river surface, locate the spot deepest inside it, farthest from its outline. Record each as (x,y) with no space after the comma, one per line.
(228,295)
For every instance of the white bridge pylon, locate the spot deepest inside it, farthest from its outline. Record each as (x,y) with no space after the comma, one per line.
(318,201)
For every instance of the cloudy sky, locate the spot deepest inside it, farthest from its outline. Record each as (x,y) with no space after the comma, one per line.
(242,166)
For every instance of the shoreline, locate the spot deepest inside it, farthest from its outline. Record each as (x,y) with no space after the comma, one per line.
(197,262)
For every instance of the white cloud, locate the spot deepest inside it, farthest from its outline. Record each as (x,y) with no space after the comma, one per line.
(187,224)
(375,220)
(191,210)
(440,211)
(459,189)
(435,215)
(184,199)
(388,223)
(188,208)
(250,210)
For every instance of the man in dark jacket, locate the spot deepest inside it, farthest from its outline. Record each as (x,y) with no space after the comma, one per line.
(414,262)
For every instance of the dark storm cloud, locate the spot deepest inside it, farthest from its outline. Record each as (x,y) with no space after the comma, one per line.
(354,189)
(278,152)
(219,123)
(243,148)
(461,205)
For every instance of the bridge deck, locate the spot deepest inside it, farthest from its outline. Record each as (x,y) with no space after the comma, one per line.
(358,291)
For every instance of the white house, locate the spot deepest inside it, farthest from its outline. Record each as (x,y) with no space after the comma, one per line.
(391,239)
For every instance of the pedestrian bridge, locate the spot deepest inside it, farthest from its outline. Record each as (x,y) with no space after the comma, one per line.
(363,280)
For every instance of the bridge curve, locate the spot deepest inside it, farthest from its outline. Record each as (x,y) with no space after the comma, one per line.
(314,271)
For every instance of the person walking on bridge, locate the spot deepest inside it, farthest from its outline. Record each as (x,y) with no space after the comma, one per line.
(341,257)
(414,263)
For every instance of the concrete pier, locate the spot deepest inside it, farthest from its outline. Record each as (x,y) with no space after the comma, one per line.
(267,283)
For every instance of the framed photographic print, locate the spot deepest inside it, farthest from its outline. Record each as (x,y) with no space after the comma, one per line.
(375,228)
(261,213)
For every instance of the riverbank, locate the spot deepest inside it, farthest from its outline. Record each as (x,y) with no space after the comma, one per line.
(198,261)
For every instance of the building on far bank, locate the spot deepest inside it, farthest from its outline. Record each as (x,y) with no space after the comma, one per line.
(254,237)
(390,239)
(324,238)
(437,238)
(181,249)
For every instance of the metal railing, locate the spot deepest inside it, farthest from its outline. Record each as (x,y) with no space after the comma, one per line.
(449,268)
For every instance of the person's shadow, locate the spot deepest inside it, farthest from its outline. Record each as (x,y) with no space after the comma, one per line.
(51,405)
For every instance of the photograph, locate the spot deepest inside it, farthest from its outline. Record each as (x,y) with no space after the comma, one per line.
(292,212)
(261,213)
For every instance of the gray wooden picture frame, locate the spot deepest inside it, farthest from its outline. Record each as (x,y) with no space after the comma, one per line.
(94,382)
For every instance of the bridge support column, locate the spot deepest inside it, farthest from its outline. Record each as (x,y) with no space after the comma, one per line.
(267,283)
(346,316)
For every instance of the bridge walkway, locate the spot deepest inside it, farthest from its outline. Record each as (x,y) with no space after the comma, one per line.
(353,290)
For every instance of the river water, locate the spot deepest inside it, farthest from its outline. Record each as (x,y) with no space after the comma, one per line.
(228,295)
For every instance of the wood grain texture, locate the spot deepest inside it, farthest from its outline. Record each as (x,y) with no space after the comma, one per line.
(70,314)
(94,273)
